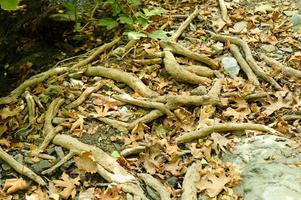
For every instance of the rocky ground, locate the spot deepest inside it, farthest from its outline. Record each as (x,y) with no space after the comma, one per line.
(212,112)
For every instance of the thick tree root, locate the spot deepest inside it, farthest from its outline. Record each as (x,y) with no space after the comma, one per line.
(190,136)
(21,169)
(200,70)
(148,61)
(107,166)
(243,64)
(156,185)
(131,80)
(257,70)
(224,11)
(180,73)
(178,49)
(31,107)
(184,25)
(132,151)
(191,177)
(287,71)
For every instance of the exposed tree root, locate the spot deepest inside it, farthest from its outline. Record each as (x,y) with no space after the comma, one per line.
(288,71)
(200,70)
(86,94)
(106,165)
(156,185)
(257,70)
(31,107)
(180,73)
(145,104)
(149,117)
(131,80)
(34,80)
(243,64)
(178,49)
(224,11)
(58,164)
(148,61)
(22,169)
(190,136)
(184,25)
(132,151)
(121,126)
(191,177)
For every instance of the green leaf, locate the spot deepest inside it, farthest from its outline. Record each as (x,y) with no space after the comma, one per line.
(159,34)
(133,35)
(116,8)
(107,22)
(134,2)
(153,12)
(115,154)
(9,4)
(71,7)
(125,19)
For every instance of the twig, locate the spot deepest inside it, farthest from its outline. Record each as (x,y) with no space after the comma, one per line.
(142,103)
(149,117)
(22,169)
(58,164)
(288,71)
(243,64)
(184,25)
(156,185)
(180,73)
(224,11)
(189,136)
(191,177)
(86,94)
(131,80)
(178,49)
(257,70)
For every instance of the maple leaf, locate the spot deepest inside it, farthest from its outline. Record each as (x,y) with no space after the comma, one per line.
(213,184)
(69,186)
(112,193)
(281,102)
(38,194)
(14,185)
(78,126)
(219,142)
(86,162)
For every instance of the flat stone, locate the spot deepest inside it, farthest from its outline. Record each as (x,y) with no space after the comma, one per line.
(240,26)
(218,47)
(266,164)
(40,166)
(200,90)
(286,49)
(296,20)
(290,13)
(230,65)
(268,48)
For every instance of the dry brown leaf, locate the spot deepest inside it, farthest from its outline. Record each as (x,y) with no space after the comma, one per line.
(86,162)
(5,142)
(14,185)
(220,143)
(78,126)
(6,112)
(112,193)
(38,194)
(68,186)
(213,184)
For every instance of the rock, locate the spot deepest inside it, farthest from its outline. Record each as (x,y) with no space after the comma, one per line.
(296,20)
(285,49)
(230,65)
(218,47)
(201,90)
(19,157)
(240,26)
(290,13)
(268,48)
(40,166)
(5,167)
(267,168)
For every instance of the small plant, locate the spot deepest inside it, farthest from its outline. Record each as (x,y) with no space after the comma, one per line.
(9,4)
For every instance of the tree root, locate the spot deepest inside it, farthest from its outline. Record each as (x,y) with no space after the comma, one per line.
(148,61)
(257,70)
(31,107)
(178,49)
(180,73)
(107,166)
(131,80)
(145,104)
(34,80)
(191,177)
(288,71)
(200,70)
(224,11)
(21,169)
(190,136)
(184,25)
(132,151)
(58,164)
(243,64)
(86,94)
(156,185)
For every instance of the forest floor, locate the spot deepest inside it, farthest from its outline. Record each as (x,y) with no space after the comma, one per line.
(148,119)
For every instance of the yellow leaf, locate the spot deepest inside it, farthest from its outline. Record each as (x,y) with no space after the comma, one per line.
(14,185)
(86,162)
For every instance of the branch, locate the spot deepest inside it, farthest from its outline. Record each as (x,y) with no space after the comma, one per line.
(200,70)
(224,11)
(189,136)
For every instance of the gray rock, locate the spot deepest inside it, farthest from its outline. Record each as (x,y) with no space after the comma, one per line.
(201,90)
(230,65)
(218,47)
(40,166)
(296,20)
(268,48)
(265,164)
(285,49)
(290,13)
(5,167)
(240,26)
(19,157)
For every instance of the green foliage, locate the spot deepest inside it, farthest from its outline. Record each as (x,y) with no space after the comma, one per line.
(9,4)
(115,154)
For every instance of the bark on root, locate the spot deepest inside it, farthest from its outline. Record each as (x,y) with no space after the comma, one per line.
(191,177)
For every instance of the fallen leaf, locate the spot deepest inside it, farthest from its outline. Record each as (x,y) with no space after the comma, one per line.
(14,185)
(213,184)
(68,186)
(86,162)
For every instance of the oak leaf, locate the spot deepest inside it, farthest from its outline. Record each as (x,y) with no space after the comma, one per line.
(14,185)
(69,186)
